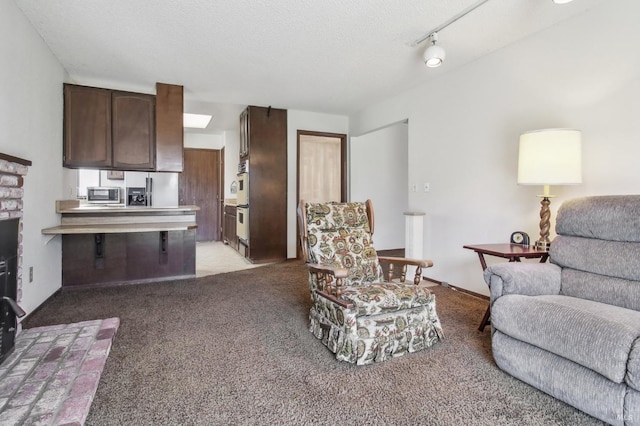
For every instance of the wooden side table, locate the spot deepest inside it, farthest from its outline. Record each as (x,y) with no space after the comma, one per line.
(513,252)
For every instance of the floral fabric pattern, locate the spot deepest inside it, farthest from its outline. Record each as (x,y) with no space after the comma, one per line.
(387,319)
(339,236)
(379,298)
(367,339)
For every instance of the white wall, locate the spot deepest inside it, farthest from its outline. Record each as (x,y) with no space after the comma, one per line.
(204,140)
(310,121)
(464,127)
(31,128)
(378,170)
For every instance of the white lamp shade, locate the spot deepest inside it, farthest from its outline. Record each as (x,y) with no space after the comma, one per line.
(550,157)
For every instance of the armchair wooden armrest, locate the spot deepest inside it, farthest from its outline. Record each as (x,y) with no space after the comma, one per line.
(326,288)
(418,263)
(325,269)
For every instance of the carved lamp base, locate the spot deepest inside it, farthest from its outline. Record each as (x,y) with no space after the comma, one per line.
(543,243)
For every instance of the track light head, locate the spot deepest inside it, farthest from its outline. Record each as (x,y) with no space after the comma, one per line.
(434,55)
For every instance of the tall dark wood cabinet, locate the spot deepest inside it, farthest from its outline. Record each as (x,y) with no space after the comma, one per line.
(266,152)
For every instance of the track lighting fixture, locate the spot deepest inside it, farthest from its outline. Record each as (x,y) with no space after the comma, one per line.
(434,55)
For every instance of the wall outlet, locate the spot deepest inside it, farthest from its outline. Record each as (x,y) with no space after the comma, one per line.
(427,187)
(414,188)
(30,274)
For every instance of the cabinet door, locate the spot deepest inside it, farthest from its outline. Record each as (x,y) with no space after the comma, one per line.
(230,236)
(244,134)
(133,131)
(169,129)
(87,127)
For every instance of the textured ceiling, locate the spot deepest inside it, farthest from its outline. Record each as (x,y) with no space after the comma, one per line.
(332,56)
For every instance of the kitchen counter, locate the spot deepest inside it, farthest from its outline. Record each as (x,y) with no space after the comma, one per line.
(90,218)
(111,209)
(113,245)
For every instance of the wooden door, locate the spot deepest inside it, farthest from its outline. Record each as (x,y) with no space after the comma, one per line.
(199,186)
(133,131)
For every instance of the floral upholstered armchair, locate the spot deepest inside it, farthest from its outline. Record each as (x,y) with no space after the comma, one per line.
(356,313)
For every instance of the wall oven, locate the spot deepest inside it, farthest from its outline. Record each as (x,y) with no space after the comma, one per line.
(242,223)
(243,189)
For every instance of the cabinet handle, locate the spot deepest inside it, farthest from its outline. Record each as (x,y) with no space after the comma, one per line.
(164,247)
(98,253)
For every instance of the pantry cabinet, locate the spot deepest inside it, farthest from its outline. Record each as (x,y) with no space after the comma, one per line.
(265,131)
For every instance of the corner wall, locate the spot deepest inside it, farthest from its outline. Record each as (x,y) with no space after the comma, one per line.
(31,128)
(378,171)
(464,129)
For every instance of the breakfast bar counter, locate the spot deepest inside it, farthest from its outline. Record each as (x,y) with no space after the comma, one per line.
(113,245)
(90,219)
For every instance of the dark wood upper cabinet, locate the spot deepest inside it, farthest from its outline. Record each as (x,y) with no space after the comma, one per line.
(244,134)
(169,128)
(119,130)
(87,127)
(133,131)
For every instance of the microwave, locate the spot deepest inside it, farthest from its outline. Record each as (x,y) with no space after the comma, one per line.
(103,194)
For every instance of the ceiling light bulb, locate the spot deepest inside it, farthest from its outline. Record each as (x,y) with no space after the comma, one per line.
(434,55)
(562,1)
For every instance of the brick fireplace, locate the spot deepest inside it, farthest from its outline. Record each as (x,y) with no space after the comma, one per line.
(12,172)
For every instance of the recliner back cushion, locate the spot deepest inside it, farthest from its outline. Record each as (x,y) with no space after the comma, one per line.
(598,248)
(339,235)
(610,217)
(609,290)
(610,258)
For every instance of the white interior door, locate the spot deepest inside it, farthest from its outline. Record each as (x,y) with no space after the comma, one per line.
(320,168)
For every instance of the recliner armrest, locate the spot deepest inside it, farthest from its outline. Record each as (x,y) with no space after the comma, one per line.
(324,269)
(529,279)
(404,261)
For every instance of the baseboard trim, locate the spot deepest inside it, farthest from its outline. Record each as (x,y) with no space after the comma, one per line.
(460,289)
(24,320)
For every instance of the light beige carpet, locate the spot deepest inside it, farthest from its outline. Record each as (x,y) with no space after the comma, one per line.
(215,257)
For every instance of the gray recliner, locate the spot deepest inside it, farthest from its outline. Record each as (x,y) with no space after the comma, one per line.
(571,327)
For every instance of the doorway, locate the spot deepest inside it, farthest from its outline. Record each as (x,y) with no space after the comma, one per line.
(322,166)
(199,185)
(322,169)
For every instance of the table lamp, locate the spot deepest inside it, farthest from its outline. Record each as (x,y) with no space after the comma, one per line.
(549,157)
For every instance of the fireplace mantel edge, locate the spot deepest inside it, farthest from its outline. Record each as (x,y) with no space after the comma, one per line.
(13,159)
